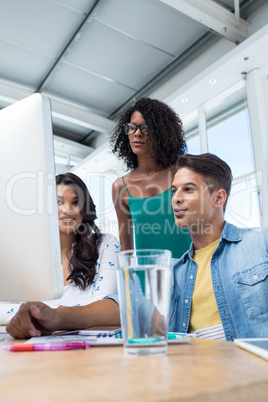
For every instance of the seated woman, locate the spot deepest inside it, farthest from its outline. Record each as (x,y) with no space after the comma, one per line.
(89,271)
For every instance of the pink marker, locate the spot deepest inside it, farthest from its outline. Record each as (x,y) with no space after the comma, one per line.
(36,347)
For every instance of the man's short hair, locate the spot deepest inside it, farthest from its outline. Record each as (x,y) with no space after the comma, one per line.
(216,173)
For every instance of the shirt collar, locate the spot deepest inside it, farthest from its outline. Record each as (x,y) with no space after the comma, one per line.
(230,233)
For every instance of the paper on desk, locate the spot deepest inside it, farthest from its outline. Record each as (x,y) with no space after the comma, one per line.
(3,329)
(95,332)
(94,341)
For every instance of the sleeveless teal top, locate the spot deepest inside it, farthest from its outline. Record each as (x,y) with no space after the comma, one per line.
(154,224)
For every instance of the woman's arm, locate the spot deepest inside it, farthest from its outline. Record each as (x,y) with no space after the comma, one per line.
(36,318)
(7,311)
(105,282)
(125,223)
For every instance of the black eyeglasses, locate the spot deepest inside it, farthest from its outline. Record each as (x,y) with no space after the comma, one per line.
(131,128)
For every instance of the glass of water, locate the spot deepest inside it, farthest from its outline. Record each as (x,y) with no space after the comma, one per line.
(143,278)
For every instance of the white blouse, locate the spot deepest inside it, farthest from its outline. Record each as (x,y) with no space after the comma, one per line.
(104,283)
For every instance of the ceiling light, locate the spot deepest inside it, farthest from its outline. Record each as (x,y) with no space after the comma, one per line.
(246,58)
(212,81)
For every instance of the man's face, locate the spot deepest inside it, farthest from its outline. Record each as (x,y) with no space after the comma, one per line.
(192,203)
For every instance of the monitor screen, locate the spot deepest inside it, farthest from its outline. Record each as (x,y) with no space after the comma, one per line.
(30,254)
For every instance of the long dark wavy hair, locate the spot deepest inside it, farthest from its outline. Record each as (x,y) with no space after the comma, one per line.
(166,135)
(84,253)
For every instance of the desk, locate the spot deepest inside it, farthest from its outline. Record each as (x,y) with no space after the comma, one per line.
(203,370)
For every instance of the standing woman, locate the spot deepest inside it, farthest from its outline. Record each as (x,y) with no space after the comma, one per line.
(149,138)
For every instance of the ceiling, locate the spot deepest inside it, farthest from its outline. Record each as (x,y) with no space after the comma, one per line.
(93,58)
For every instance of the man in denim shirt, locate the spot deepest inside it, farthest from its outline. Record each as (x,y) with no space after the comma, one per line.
(219,288)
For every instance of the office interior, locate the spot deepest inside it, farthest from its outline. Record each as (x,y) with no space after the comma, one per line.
(207,59)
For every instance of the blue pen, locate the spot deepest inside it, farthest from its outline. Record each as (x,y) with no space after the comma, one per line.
(170,335)
(144,340)
(175,336)
(180,335)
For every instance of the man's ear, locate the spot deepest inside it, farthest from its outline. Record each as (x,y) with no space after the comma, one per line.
(220,198)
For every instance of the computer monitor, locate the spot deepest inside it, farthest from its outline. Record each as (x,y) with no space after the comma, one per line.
(30,254)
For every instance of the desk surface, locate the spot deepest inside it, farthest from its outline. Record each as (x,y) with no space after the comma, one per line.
(203,370)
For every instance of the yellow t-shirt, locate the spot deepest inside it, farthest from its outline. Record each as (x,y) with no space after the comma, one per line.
(204,309)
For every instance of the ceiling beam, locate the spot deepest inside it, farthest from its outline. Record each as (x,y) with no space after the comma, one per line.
(214,17)
(75,114)
(70,44)
(62,110)
(71,148)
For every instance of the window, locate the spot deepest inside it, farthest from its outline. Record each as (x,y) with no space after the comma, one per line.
(193,145)
(228,136)
(243,205)
(230,139)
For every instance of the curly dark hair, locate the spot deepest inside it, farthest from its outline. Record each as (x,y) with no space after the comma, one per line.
(165,133)
(85,250)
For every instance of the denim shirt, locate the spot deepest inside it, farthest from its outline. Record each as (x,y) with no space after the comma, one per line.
(239,272)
